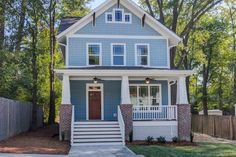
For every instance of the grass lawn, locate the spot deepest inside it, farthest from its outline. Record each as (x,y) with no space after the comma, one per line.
(202,150)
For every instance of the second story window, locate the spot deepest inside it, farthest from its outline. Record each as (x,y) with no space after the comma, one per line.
(142,52)
(118,54)
(94,51)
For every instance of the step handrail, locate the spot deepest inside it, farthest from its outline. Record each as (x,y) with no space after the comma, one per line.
(121,124)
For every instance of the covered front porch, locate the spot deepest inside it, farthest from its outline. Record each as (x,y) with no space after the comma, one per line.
(131,96)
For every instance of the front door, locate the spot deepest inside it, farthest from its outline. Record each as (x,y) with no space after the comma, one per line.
(94,105)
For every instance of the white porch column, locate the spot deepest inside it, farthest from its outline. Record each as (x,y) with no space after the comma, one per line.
(181,91)
(125,97)
(65,90)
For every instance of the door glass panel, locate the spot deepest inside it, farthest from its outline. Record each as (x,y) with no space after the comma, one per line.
(143,95)
(133,95)
(155,95)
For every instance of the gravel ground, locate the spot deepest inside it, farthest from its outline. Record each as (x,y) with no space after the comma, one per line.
(42,141)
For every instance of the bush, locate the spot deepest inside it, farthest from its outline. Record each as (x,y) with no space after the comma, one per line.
(191,137)
(175,139)
(149,139)
(161,139)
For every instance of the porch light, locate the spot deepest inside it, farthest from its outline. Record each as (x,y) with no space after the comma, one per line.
(147,80)
(95,80)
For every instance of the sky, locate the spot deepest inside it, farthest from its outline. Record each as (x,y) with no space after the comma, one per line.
(96,3)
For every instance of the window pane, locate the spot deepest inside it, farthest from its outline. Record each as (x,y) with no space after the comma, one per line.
(142,60)
(127,18)
(118,60)
(143,95)
(155,95)
(142,49)
(94,49)
(118,15)
(118,49)
(109,17)
(133,95)
(93,60)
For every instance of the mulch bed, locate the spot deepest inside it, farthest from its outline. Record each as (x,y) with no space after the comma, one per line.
(42,141)
(180,143)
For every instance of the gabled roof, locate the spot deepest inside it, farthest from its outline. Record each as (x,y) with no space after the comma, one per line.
(66,22)
(134,8)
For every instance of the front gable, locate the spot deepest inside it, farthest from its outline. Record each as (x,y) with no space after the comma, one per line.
(149,22)
(102,27)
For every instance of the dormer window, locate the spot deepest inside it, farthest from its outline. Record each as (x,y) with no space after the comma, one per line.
(117,16)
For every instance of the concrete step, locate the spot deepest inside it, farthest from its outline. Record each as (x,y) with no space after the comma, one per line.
(98,133)
(96,129)
(95,136)
(96,126)
(95,122)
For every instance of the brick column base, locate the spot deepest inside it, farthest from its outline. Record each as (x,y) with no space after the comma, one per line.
(65,122)
(127,113)
(184,121)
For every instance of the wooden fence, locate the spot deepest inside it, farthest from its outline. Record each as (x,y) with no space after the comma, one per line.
(16,117)
(216,126)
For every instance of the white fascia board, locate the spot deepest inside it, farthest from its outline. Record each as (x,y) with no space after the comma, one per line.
(135,73)
(129,4)
(86,19)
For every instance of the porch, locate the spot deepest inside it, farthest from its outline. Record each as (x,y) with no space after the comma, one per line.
(129,97)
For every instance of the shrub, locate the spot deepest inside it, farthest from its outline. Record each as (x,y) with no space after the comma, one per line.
(191,137)
(161,139)
(149,139)
(175,139)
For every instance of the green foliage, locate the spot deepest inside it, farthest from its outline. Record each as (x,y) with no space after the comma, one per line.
(161,139)
(175,139)
(149,140)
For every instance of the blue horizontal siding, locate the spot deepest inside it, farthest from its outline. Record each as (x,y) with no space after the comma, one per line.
(112,95)
(77,51)
(118,29)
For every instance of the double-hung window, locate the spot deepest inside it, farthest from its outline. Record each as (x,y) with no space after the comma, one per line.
(118,15)
(118,54)
(145,95)
(94,53)
(142,52)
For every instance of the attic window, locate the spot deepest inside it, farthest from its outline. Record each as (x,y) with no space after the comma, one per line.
(118,16)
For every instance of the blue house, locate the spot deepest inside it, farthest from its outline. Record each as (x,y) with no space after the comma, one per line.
(117,78)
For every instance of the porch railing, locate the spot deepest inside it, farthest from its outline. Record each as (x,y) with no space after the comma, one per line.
(121,124)
(155,112)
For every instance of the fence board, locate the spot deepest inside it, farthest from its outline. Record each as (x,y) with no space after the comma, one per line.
(217,126)
(16,117)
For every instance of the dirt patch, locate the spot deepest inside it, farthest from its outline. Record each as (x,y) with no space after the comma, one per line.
(180,143)
(42,141)
(209,139)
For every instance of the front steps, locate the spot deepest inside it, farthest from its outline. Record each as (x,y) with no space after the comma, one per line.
(96,133)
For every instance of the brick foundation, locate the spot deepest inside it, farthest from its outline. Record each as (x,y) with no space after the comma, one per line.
(65,121)
(184,121)
(127,113)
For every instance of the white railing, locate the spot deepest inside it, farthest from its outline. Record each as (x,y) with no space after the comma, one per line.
(121,124)
(155,112)
(72,125)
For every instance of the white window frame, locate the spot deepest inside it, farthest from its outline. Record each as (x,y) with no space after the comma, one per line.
(130,19)
(136,53)
(149,93)
(106,17)
(100,53)
(114,18)
(112,53)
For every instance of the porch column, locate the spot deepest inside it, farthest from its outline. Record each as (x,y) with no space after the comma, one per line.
(183,110)
(65,110)
(126,106)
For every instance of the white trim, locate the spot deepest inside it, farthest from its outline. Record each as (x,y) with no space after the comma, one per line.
(87,99)
(114,17)
(137,73)
(115,36)
(118,78)
(130,17)
(112,54)
(154,123)
(149,98)
(169,93)
(106,17)
(66,95)
(136,54)
(168,54)
(100,54)
(155,24)
(67,52)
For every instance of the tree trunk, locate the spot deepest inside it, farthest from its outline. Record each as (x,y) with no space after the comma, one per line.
(51,118)
(20,30)
(204,92)
(2,23)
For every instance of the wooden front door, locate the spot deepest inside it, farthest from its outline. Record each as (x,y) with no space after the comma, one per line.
(94,105)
